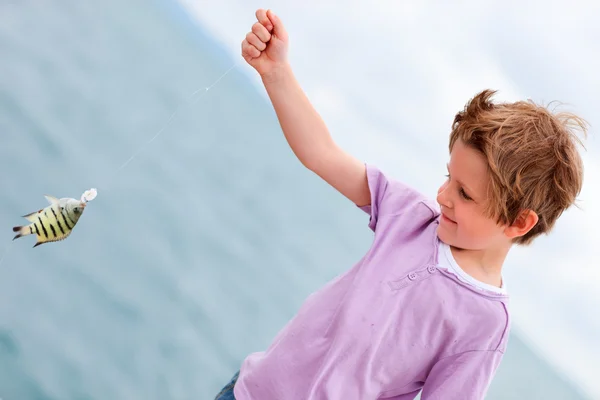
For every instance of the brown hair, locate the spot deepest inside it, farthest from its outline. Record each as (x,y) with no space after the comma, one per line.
(532,158)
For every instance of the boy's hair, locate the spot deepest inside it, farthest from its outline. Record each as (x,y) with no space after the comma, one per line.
(531,155)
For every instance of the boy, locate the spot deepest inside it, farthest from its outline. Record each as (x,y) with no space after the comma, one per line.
(425,309)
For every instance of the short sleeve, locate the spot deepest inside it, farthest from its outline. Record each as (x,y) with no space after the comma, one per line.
(388,196)
(465,376)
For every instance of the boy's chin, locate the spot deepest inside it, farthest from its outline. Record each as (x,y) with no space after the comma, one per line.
(448,240)
(443,236)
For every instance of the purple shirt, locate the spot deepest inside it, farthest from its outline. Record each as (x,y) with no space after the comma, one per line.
(395,323)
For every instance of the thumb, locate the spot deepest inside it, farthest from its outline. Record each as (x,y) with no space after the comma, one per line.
(278,28)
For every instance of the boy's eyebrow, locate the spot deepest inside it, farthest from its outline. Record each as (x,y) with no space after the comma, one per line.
(459,182)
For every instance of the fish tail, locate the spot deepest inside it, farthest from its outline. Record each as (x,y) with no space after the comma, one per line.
(21,231)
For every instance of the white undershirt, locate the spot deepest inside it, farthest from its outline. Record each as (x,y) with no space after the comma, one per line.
(446,260)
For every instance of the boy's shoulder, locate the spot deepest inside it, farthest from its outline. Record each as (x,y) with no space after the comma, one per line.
(391,197)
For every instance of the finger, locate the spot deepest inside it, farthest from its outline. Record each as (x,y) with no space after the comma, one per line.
(255,41)
(261,16)
(246,53)
(278,29)
(259,30)
(249,50)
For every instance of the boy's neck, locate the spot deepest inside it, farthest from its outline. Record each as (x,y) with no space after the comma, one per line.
(482,265)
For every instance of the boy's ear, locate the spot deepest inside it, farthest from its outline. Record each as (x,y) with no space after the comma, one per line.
(526,220)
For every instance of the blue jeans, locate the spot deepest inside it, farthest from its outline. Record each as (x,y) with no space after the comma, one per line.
(227,392)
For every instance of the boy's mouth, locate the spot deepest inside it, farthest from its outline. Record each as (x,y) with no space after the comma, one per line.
(447,219)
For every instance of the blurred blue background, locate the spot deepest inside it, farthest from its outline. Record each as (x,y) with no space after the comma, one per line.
(200,249)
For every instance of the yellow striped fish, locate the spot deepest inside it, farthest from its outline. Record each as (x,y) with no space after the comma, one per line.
(56,221)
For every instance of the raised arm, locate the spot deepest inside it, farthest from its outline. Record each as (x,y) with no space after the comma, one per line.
(265,49)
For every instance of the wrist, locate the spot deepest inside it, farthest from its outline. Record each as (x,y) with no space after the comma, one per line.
(279,73)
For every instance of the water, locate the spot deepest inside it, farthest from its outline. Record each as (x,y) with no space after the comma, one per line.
(193,255)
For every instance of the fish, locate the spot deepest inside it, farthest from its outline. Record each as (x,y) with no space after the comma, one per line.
(56,221)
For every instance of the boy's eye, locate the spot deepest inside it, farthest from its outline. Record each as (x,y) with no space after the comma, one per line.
(464,195)
(461,190)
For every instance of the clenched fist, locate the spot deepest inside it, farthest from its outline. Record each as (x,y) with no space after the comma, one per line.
(265,47)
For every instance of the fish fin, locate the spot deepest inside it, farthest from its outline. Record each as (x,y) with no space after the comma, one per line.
(42,240)
(51,199)
(21,231)
(38,243)
(31,216)
(17,229)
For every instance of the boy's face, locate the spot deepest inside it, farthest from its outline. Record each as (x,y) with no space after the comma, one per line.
(462,200)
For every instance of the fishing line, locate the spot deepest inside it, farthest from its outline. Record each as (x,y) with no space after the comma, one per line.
(189,102)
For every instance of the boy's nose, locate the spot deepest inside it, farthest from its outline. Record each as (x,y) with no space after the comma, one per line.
(442,197)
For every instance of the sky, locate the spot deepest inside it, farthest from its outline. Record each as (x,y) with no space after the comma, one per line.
(388,77)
